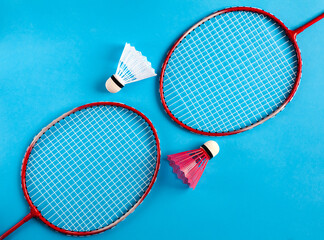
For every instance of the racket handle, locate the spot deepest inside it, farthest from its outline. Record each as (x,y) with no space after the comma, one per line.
(21,222)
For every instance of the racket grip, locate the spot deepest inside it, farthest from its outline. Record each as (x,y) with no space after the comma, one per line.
(21,222)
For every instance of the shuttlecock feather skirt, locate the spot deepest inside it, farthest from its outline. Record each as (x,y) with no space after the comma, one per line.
(189,165)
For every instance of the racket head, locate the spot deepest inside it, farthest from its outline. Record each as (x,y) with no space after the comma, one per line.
(289,34)
(145,125)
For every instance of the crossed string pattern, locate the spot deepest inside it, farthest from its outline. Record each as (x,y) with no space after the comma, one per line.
(91,168)
(230,72)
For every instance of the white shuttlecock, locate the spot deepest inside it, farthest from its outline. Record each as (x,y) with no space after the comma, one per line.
(132,67)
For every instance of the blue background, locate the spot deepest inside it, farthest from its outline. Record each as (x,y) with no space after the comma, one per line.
(266,183)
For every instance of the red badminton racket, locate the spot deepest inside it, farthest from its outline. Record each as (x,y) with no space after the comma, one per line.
(90,168)
(231,71)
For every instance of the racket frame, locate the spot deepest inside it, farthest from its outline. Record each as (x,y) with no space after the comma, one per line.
(34,212)
(292,37)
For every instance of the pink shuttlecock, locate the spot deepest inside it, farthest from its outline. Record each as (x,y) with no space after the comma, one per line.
(190,165)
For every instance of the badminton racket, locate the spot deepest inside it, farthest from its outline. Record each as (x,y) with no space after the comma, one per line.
(231,71)
(90,168)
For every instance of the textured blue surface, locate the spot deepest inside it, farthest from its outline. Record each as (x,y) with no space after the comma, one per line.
(266,183)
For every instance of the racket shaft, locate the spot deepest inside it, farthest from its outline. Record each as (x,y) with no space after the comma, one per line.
(21,222)
(308,24)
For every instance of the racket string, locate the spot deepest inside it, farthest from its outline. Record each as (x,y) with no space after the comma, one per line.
(268,61)
(89,205)
(123,175)
(258,109)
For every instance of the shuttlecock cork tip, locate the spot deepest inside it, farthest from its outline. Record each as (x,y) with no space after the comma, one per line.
(114,84)
(211,147)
